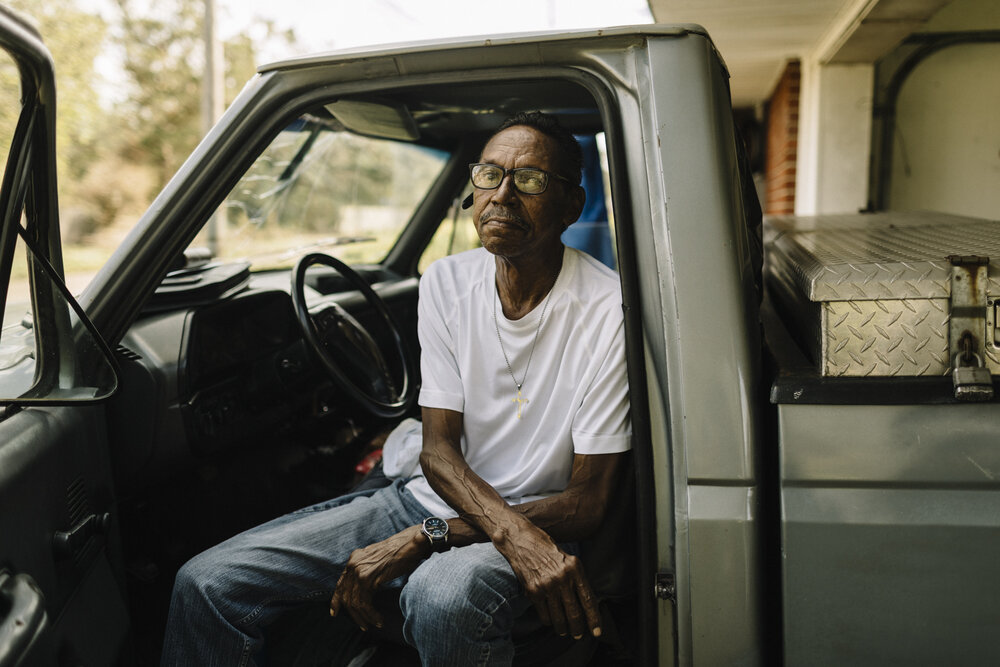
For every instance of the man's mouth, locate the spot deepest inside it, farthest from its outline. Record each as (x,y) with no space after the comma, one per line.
(502,218)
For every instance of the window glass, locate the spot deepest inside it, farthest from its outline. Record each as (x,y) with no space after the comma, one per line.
(16,342)
(455,234)
(317,188)
(18,294)
(17,337)
(10,94)
(47,353)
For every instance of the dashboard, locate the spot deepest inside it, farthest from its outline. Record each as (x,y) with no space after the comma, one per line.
(244,371)
(207,380)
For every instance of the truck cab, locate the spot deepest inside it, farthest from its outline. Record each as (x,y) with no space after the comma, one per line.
(202,383)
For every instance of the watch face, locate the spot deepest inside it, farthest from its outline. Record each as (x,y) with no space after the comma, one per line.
(435,528)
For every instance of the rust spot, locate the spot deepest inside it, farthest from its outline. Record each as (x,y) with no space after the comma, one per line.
(973,276)
(970,265)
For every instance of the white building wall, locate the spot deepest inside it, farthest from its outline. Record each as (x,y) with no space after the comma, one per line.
(946,147)
(946,144)
(946,152)
(835,125)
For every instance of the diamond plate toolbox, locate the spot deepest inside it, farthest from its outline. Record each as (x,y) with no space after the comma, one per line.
(870,294)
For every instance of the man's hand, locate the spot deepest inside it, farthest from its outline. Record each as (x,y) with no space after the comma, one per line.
(554,581)
(372,566)
(525,534)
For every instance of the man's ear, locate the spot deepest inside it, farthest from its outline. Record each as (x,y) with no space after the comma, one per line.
(577,198)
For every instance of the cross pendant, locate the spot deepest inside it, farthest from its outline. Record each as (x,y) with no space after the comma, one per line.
(520,402)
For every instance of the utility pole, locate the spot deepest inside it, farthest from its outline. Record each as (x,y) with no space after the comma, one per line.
(213,99)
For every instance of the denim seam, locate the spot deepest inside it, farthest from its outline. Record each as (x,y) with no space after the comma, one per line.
(245,657)
(321,507)
(484,656)
(285,598)
(313,509)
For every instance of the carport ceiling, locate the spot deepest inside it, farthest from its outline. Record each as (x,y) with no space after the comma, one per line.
(757,37)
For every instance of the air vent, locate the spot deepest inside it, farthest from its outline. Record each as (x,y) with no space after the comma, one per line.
(126,354)
(77,542)
(77,501)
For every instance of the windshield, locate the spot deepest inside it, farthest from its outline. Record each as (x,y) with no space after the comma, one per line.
(319,188)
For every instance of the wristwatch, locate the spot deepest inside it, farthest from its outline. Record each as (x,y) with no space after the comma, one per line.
(436,530)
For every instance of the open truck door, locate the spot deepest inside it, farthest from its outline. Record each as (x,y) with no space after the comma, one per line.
(60,598)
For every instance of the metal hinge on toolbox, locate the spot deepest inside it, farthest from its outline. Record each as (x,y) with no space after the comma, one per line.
(971,334)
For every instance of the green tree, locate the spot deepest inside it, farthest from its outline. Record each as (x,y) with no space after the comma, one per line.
(164,61)
(241,52)
(10,93)
(115,153)
(75,38)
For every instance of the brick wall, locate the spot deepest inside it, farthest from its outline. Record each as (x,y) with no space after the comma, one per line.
(782,142)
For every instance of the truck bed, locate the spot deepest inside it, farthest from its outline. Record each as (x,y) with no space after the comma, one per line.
(889,496)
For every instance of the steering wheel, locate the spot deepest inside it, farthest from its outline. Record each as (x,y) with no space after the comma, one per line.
(345,349)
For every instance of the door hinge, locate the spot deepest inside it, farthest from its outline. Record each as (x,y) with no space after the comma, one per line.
(665,588)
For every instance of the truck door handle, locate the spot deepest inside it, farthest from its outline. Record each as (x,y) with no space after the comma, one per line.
(71,542)
(22,607)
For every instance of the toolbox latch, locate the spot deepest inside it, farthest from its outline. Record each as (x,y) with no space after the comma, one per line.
(993,325)
(968,332)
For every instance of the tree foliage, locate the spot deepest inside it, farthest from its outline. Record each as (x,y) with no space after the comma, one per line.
(74,38)
(163,63)
(163,44)
(116,151)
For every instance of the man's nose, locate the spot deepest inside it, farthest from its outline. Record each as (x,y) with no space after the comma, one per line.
(505,192)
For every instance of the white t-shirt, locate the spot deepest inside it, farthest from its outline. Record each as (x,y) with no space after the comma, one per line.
(576,386)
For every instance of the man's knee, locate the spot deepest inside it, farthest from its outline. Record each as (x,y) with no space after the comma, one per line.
(193,576)
(207,576)
(461,591)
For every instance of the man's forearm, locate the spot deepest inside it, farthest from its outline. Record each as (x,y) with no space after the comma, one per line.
(570,515)
(485,515)
(563,518)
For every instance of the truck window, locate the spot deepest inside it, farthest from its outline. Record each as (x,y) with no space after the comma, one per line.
(317,186)
(49,353)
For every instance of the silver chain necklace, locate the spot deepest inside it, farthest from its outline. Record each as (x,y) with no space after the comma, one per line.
(541,320)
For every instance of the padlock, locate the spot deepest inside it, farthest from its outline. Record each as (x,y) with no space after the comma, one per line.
(972,383)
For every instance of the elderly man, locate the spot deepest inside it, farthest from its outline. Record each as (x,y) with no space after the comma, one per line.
(525,419)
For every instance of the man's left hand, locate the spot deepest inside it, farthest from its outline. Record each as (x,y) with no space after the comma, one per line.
(554,581)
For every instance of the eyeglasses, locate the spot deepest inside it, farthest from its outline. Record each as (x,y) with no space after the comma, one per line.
(529,180)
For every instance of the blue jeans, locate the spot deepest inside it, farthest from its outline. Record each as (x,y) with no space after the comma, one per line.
(458,606)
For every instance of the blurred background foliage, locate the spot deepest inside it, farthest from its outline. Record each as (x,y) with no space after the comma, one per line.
(120,140)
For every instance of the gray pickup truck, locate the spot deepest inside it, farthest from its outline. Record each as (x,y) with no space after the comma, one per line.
(816,443)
